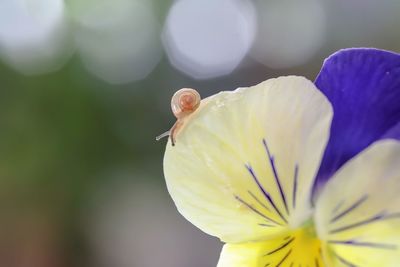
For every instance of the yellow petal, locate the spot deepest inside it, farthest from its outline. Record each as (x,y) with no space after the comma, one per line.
(358,212)
(297,248)
(244,162)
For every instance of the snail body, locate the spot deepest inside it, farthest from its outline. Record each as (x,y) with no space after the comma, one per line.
(183,103)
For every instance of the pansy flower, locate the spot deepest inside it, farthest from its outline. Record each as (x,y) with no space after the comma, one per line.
(295,173)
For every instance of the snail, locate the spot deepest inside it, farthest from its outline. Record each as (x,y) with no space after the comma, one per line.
(183,103)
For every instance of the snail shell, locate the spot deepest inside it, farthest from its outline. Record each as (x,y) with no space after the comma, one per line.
(184,102)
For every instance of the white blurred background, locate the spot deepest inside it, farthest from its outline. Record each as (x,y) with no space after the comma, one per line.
(123,41)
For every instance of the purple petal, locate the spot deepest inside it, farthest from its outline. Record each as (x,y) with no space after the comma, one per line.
(393,133)
(363,86)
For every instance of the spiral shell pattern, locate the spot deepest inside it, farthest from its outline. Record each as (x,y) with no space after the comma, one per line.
(184,102)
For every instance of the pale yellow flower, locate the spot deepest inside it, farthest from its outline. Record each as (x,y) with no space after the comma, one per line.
(243,169)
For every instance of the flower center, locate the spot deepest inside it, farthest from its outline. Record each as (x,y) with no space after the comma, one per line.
(308,229)
(301,247)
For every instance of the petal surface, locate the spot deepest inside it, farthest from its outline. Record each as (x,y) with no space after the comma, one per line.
(358,212)
(363,86)
(294,249)
(244,163)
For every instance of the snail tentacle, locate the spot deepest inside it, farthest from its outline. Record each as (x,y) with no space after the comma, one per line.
(161,136)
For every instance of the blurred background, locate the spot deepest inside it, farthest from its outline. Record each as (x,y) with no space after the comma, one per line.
(85,86)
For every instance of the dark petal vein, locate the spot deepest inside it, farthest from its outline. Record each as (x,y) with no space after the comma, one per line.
(258,201)
(349,209)
(276,176)
(266,225)
(379,217)
(363,244)
(338,206)
(265,193)
(255,210)
(281,247)
(316,262)
(284,258)
(296,173)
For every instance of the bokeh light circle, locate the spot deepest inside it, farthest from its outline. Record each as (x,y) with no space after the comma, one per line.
(289,32)
(34,35)
(209,38)
(118,41)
